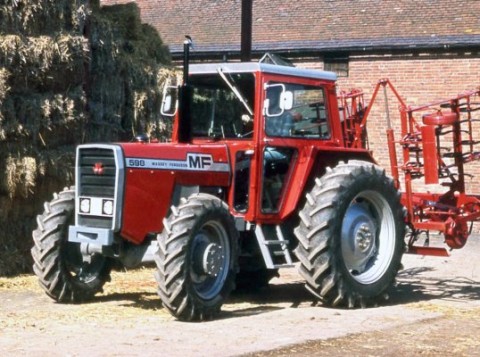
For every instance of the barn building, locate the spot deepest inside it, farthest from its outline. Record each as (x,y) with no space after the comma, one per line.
(428,49)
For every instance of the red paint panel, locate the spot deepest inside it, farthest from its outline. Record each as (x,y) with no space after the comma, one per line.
(146,201)
(153,170)
(430,160)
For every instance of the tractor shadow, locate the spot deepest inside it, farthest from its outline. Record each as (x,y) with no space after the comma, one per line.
(278,296)
(139,300)
(414,285)
(419,285)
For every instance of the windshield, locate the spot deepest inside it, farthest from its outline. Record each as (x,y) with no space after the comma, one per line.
(216,111)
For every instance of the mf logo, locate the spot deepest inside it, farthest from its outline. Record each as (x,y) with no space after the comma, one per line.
(199,161)
(98,168)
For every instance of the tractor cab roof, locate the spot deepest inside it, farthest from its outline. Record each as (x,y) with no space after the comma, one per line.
(251,67)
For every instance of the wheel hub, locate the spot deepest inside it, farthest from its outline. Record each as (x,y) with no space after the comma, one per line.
(358,238)
(213,257)
(210,259)
(363,237)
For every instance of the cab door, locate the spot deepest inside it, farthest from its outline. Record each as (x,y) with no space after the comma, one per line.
(294,123)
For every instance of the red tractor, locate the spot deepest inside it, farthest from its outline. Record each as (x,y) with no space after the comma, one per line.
(264,168)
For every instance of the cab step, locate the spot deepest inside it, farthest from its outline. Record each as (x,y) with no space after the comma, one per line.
(274,247)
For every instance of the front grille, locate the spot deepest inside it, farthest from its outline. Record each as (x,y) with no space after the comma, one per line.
(93,183)
(97,180)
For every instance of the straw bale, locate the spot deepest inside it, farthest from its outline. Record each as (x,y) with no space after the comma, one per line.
(4,87)
(39,63)
(32,177)
(55,169)
(14,252)
(20,175)
(58,89)
(57,117)
(33,17)
(24,169)
(125,90)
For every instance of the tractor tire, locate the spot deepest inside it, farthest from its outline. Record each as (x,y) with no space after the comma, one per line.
(59,264)
(351,235)
(197,258)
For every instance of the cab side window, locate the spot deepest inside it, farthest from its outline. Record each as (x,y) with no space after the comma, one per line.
(304,116)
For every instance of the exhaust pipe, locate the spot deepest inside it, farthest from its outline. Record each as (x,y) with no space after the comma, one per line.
(246,31)
(185,97)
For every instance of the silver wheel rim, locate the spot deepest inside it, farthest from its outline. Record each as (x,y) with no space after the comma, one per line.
(210,256)
(368,237)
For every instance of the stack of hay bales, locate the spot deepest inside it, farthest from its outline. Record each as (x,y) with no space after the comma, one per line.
(70,72)
(124,64)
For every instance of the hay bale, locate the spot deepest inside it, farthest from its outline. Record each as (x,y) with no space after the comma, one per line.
(57,164)
(126,56)
(4,87)
(42,175)
(59,88)
(44,62)
(30,17)
(56,117)
(20,173)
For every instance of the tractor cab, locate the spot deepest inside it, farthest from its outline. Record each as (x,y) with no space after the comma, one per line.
(272,119)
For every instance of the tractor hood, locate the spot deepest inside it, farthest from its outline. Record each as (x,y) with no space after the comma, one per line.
(179,157)
(154,171)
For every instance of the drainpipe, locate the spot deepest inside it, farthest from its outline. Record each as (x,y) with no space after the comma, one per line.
(185,97)
(246,31)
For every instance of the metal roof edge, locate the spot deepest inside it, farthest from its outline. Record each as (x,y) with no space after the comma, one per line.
(397,43)
(238,67)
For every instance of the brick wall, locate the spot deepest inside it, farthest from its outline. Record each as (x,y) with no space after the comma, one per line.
(419,80)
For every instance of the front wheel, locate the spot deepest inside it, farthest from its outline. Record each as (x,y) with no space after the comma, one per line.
(351,235)
(59,265)
(197,258)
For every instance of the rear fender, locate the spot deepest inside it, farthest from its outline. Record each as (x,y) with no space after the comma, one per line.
(303,179)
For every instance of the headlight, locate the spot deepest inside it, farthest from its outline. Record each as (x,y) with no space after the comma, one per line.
(107,207)
(85,205)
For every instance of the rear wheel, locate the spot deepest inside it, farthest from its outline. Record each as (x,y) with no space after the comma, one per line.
(197,258)
(351,235)
(59,265)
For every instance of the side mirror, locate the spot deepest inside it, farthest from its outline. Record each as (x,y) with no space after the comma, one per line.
(286,100)
(169,102)
(277,99)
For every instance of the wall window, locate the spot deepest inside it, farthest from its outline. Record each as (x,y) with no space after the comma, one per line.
(337,64)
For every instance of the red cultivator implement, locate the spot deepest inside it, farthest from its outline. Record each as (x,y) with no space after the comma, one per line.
(436,142)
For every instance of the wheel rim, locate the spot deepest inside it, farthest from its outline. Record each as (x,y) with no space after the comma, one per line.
(210,256)
(368,237)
